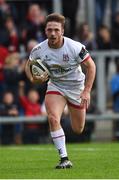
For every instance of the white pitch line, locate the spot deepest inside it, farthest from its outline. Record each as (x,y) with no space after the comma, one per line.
(89,149)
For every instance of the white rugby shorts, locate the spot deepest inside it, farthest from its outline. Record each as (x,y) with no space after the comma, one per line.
(72,96)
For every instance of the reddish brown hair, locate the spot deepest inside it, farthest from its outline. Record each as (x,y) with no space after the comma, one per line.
(56,17)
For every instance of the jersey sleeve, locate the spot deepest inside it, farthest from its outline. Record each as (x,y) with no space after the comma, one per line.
(35,53)
(82,54)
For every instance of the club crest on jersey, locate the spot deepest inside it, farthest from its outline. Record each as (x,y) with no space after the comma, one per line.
(65,57)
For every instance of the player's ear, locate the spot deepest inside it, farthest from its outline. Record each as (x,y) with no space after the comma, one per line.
(62,31)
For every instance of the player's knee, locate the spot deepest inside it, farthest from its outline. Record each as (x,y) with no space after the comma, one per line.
(53,121)
(78,129)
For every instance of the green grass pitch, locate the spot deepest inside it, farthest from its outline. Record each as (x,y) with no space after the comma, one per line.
(90,161)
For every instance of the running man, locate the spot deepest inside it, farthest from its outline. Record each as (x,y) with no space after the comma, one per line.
(67,84)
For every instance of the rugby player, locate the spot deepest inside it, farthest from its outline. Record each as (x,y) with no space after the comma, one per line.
(67,83)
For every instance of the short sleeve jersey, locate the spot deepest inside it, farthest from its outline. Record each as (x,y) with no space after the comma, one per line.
(63,63)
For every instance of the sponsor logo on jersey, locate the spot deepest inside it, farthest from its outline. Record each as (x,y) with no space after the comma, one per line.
(46,58)
(83,53)
(59,69)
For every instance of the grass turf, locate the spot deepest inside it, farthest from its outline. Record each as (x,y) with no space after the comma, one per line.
(90,161)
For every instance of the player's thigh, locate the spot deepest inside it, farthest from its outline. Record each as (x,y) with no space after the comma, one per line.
(77,118)
(55,104)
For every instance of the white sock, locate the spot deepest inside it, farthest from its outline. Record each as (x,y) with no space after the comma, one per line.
(59,141)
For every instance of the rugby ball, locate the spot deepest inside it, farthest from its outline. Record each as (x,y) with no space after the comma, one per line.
(37,67)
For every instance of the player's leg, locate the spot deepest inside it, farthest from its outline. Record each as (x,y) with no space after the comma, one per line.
(55,106)
(77,118)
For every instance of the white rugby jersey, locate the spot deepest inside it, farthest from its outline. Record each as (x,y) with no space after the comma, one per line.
(63,63)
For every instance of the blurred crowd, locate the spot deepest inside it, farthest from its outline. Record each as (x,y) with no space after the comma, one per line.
(21,28)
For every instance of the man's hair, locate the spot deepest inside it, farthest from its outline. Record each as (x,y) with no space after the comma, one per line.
(56,17)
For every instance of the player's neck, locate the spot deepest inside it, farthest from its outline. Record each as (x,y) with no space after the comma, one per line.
(58,45)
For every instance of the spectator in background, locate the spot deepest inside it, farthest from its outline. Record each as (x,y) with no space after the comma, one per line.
(33,28)
(30,103)
(31,107)
(104,38)
(18,10)
(13,35)
(115,35)
(3,54)
(47,4)
(24,53)
(114,5)
(115,89)
(85,36)
(114,85)
(13,70)
(100,7)
(104,42)
(30,45)
(9,108)
(115,31)
(4,11)
(70,12)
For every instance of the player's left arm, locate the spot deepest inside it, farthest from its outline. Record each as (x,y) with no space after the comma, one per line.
(90,76)
(90,73)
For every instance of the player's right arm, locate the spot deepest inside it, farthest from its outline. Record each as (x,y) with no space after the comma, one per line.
(32,78)
(27,71)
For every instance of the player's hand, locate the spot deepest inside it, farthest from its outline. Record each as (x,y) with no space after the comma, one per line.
(85,99)
(43,78)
